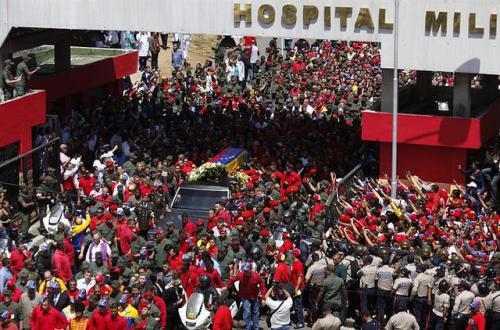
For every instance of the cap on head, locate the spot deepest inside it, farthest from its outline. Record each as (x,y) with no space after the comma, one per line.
(247,266)
(103,303)
(54,284)
(5,316)
(31,285)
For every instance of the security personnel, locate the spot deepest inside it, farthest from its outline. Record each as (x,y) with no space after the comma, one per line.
(492,304)
(333,293)
(402,321)
(422,285)
(401,288)
(24,74)
(461,308)
(8,80)
(315,277)
(441,304)
(26,206)
(367,276)
(385,281)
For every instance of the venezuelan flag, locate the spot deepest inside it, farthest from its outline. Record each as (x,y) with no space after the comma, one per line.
(78,231)
(233,158)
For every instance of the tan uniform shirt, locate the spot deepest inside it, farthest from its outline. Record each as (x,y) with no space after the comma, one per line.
(462,302)
(402,321)
(385,278)
(316,273)
(329,322)
(492,302)
(421,285)
(367,276)
(402,286)
(441,301)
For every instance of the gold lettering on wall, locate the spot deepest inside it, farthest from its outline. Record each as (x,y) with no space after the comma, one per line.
(364,19)
(266,14)
(456,23)
(473,29)
(382,24)
(309,14)
(245,14)
(434,24)
(289,15)
(343,12)
(328,16)
(493,24)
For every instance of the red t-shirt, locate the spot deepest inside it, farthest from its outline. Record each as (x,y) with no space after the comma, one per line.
(297,271)
(117,323)
(87,184)
(282,273)
(223,319)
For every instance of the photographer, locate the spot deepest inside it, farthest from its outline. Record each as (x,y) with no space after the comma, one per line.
(280,304)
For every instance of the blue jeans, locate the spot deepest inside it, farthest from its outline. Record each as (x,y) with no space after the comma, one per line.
(283,327)
(298,305)
(421,310)
(250,313)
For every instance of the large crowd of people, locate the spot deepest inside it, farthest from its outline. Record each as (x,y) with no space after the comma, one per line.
(306,247)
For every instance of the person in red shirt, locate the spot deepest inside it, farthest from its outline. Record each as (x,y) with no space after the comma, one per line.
(113,321)
(44,316)
(251,288)
(15,293)
(97,320)
(213,274)
(222,317)
(477,320)
(282,273)
(124,235)
(61,263)
(99,218)
(86,183)
(17,258)
(6,324)
(298,65)
(298,285)
(189,279)
(188,225)
(69,249)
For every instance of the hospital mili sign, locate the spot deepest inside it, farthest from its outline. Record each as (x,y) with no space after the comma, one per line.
(435,21)
(434,35)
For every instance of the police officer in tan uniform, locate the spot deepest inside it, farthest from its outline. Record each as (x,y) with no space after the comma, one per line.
(461,308)
(402,321)
(401,289)
(420,294)
(367,276)
(441,305)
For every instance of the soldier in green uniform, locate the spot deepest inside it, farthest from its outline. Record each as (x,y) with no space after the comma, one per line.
(129,165)
(98,266)
(107,230)
(26,206)
(43,198)
(172,233)
(160,254)
(225,262)
(52,182)
(24,74)
(8,81)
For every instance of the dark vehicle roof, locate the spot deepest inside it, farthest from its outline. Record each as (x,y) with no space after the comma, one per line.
(204,186)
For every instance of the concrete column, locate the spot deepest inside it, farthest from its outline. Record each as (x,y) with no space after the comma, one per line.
(62,56)
(490,87)
(387,82)
(424,85)
(462,95)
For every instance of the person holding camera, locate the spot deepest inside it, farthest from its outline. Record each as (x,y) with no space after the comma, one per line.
(280,304)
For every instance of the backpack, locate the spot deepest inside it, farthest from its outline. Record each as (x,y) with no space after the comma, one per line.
(352,271)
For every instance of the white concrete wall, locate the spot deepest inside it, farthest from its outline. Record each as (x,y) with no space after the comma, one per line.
(461,52)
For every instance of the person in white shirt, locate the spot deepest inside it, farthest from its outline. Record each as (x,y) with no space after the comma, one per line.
(87,282)
(254,56)
(97,245)
(280,304)
(143,47)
